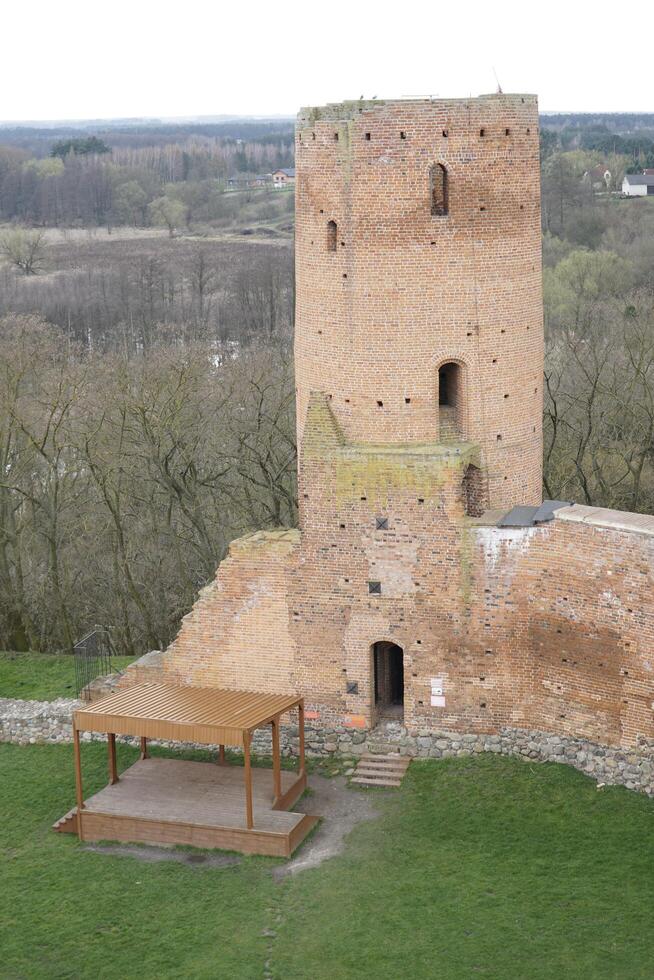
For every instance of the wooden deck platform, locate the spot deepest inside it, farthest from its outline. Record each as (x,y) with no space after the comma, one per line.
(172,801)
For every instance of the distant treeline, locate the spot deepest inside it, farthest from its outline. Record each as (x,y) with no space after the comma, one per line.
(38,141)
(616,134)
(82,189)
(617,122)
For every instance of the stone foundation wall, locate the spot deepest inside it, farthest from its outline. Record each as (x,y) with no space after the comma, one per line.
(31,722)
(37,722)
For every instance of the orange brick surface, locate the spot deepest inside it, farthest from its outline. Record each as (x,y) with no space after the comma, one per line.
(548,627)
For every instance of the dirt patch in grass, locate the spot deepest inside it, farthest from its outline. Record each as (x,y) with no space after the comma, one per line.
(152,855)
(341,810)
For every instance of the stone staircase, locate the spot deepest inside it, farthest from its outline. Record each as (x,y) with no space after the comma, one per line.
(66,824)
(380,770)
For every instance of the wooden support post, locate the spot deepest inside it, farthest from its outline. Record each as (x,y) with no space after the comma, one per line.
(144,748)
(78,782)
(221,755)
(277,763)
(249,818)
(300,712)
(111,746)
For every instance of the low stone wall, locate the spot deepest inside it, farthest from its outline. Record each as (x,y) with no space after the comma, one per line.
(633,768)
(32,722)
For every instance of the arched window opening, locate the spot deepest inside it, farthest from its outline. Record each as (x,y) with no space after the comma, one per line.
(388,666)
(438,183)
(448,384)
(474,492)
(451,407)
(332,236)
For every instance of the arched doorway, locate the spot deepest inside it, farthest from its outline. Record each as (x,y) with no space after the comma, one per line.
(388,666)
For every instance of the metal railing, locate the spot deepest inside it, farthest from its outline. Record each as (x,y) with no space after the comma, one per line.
(92,655)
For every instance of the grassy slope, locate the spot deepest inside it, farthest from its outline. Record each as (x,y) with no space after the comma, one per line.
(478,867)
(41,676)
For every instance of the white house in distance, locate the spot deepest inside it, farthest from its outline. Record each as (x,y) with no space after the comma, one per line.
(284,177)
(638,185)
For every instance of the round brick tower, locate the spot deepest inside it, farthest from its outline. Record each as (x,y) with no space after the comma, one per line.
(418,272)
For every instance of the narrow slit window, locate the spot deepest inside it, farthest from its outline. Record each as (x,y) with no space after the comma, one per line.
(438,182)
(332,236)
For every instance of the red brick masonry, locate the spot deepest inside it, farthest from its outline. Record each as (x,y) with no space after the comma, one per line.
(547,628)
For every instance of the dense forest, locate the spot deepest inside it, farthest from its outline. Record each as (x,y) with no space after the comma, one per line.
(146,389)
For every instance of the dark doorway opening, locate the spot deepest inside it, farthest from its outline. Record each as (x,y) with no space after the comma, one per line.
(448,384)
(450,402)
(388,661)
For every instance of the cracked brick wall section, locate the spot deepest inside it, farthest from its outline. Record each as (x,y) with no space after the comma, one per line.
(238,634)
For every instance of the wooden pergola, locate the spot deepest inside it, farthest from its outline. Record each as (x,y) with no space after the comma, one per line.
(207,716)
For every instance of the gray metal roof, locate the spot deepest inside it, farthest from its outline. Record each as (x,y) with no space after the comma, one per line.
(518,517)
(635,179)
(528,516)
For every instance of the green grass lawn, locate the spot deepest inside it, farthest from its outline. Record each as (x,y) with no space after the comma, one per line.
(42,676)
(484,867)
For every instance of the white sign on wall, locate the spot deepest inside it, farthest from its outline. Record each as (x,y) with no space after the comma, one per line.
(437,695)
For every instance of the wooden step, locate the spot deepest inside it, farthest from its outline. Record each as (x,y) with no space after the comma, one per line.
(382,773)
(66,824)
(364,781)
(383,766)
(400,764)
(380,770)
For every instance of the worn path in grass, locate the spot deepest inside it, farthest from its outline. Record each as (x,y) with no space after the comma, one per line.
(485,867)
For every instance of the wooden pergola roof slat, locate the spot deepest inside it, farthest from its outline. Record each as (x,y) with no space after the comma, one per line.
(179,713)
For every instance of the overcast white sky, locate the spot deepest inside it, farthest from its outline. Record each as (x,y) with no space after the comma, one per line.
(80,59)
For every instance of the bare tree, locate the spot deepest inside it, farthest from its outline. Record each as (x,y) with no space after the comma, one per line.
(24,249)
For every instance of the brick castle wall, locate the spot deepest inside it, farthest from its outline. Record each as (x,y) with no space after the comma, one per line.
(549,628)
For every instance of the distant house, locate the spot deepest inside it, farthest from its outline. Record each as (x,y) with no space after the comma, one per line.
(649,171)
(284,177)
(239,181)
(243,181)
(599,177)
(638,185)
